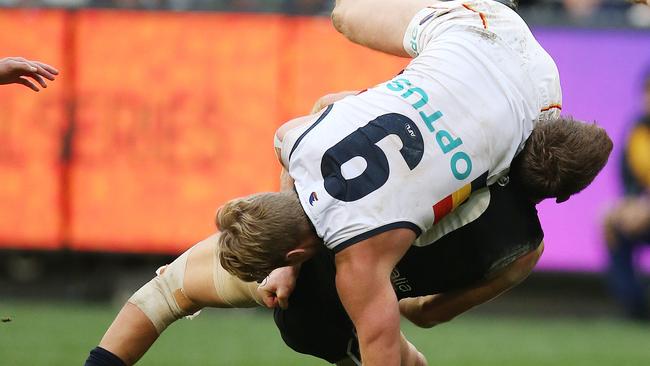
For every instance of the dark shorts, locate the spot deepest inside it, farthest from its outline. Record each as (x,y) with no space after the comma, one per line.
(316,322)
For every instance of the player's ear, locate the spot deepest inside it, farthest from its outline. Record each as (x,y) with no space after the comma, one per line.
(297,256)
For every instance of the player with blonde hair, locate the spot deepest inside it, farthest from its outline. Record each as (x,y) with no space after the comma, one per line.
(375,171)
(466,268)
(380,171)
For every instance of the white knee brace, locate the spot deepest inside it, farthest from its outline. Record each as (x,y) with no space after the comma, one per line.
(162,299)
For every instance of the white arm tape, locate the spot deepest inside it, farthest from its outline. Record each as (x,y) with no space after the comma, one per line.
(162,299)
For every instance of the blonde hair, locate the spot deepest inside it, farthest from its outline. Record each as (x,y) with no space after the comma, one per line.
(258,231)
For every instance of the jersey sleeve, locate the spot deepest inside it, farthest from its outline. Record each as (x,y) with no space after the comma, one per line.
(415,38)
(430,22)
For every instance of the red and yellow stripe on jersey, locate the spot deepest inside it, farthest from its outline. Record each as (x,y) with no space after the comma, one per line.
(480,14)
(451,202)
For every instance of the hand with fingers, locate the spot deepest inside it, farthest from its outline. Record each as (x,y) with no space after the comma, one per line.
(17,70)
(276,289)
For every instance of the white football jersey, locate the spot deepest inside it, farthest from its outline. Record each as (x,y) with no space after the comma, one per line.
(407,152)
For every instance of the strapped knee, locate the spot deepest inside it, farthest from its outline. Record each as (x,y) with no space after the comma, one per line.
(162,299)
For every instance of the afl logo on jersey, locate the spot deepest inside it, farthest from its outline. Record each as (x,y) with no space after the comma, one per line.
(312,198)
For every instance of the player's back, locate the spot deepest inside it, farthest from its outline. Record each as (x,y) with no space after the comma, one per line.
(484,58)
(387,158)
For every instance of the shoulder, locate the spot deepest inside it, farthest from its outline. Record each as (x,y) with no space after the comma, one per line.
(282,135)
(291,125)
(289,134)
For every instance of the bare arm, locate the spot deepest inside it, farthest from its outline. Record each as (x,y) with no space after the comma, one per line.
(428,311)
(409,354)
(363,283)
(276,289)
(377,24)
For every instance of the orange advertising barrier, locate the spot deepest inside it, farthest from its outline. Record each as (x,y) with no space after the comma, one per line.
(175,114)
(174,118)
(31,125)
(319,60)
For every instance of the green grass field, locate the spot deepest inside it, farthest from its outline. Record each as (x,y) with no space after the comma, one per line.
(62,334)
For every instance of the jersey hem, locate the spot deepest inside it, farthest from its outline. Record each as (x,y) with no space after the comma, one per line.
(378,230)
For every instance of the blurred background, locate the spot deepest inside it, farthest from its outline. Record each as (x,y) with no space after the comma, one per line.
(164,109)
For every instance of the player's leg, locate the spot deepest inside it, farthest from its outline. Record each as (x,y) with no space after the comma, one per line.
(193,281)
(208,284)
(377,24)
(127,339)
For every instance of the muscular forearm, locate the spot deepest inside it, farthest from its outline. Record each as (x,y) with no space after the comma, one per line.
(410,355)
(378,334)
(428,311)
(372,306)
(363,283)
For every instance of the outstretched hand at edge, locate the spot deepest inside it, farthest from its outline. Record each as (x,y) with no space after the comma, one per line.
(18,70)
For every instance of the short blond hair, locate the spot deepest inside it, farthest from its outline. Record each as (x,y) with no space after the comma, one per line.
(258,231)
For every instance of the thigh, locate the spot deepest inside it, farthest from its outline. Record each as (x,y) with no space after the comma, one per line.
(377,24)
(208,284)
